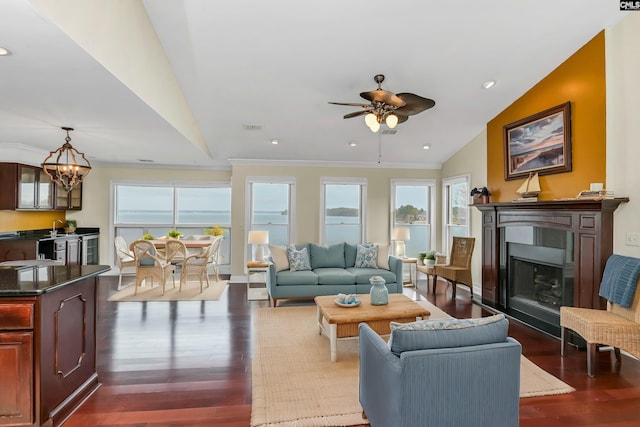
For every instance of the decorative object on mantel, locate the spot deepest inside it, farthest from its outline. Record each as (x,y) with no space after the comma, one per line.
(480,195)
(66,166)
(595,195)
(539,143)
(529,190)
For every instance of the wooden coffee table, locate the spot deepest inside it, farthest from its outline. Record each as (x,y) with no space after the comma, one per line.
(343,321)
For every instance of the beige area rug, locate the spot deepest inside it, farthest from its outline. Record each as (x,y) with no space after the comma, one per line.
(190,292)
(294,382)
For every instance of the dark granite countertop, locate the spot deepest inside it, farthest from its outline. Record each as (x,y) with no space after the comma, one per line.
(45,234)
(37,280)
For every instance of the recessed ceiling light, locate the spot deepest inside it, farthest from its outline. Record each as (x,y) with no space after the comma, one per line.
(426,147)
(274,141)
(352,144)
(488,84)
(146,161)
(4,51)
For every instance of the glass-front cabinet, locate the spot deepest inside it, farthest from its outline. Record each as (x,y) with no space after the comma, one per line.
(35,190)
(71,200)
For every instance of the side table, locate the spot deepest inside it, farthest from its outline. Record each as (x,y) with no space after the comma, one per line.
(413,272)
(257,275)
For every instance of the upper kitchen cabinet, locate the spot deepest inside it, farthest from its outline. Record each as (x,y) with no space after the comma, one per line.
(24,187)
(68,201)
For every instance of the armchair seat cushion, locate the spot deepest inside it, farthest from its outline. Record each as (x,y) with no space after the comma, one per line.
(334,276)
(447,333)
(293,278)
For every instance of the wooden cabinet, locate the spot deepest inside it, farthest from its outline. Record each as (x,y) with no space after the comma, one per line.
(71,200)
(13,250)
(16,361)
(73,251)
(25,187)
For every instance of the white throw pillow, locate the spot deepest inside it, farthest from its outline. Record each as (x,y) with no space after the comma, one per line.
(280,257)
(383,255)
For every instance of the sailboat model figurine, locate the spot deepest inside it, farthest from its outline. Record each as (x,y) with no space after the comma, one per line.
(529,190)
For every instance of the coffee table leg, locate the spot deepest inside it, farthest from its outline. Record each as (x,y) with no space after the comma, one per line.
(333,340)
(319,321)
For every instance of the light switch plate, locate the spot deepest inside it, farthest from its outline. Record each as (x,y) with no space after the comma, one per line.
(632,239)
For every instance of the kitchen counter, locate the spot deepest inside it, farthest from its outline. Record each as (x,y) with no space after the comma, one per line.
(46,234)
(47,342)
(36,280)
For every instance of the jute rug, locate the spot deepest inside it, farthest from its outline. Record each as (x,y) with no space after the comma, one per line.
(190,292)
(295,383)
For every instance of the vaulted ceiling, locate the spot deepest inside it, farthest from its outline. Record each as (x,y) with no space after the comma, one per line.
(199,83)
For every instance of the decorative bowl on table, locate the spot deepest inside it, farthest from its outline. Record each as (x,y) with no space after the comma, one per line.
(347,300)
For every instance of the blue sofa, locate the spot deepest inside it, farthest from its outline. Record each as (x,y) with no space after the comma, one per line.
(453,372)
(332,272)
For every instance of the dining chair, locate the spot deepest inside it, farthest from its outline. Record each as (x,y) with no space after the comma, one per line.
(215,256)
(175,252)
(149,264)
(125,258)
(459,268)
(197,264)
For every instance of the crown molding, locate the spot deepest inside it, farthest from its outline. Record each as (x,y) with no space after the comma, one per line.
(335,164)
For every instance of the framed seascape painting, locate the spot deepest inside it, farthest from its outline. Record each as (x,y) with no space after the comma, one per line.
(540,143)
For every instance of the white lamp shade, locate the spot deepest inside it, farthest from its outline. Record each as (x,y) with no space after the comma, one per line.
(258,237)
(401,233)
(370,119)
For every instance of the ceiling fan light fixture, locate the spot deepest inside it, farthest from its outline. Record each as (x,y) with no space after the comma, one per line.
(375,127)
(370,119)
(391,121)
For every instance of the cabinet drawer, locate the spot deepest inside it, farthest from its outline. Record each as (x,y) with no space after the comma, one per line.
(61,245)
(16,316)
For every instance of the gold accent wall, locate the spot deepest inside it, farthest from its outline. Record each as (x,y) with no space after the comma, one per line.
(581,80)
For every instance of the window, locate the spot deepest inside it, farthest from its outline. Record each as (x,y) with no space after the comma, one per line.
(270,201)
(411,208)
(156,208)
(455,193)
(342,210)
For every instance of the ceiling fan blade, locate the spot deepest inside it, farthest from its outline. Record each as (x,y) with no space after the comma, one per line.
(414,104)
(401,118)
(381,95)
(350,104)
(355,114)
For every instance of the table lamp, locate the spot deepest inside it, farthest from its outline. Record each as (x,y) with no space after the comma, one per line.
(259,238)
(400,234)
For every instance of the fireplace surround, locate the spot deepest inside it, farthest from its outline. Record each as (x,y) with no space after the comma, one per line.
(541,255)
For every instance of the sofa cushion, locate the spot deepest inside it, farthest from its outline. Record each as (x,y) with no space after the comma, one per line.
(447,333)
(366,257)
(291,278)
(363,275)
(298,259)
(350,254)
(334,276)
(383,255)
(279,257)
(327,256)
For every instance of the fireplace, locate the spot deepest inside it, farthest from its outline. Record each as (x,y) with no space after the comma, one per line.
(539,275)
(539,256)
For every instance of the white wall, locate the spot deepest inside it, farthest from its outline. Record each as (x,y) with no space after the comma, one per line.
(622,44)
(472,159)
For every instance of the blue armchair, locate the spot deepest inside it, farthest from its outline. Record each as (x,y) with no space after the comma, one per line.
(453,373)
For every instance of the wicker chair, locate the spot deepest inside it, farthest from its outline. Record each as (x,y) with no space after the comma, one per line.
(124,257)
(149,265)
(459,268)
(616,326)
(175,252)
(197,264)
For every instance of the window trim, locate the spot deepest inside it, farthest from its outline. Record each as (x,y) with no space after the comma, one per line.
(248,203)
(362,182)
(446,182)
(431,183)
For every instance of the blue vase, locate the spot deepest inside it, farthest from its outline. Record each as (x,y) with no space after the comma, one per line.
(379,293)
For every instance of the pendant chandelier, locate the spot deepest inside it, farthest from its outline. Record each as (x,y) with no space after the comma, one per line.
(66,166)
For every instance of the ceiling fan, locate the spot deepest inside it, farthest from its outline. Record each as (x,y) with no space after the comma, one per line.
(387,107)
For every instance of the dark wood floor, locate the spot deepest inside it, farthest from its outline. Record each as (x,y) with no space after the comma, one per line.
(189,363)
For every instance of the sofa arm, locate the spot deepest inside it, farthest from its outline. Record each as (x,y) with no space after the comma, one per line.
(271,280)
(396,267)
(380,376)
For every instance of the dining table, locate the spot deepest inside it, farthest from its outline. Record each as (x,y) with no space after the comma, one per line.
(189,243)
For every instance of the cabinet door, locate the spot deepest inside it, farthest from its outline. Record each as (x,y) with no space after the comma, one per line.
(45,191)
(27,187)
(73,252)
(16,381)
(71,200)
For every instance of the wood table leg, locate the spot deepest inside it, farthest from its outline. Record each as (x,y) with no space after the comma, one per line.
(319,320)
